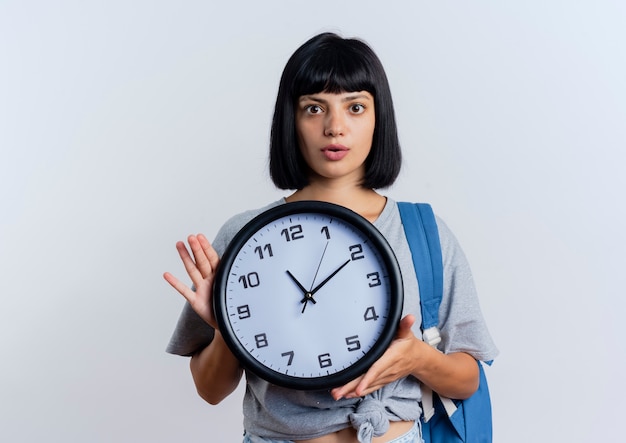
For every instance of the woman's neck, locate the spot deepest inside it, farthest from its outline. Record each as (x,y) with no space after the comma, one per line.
(365,202)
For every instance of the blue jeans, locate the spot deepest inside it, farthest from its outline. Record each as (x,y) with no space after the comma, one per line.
(413,436)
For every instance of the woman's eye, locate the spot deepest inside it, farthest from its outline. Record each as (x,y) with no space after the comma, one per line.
(313,109)
(357,108)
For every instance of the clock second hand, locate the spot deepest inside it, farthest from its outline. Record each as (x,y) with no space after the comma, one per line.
(308,295)
(319,265)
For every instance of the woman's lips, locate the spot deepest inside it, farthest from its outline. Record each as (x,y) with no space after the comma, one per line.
(335,152)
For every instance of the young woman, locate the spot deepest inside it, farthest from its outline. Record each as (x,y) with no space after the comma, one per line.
(334,139)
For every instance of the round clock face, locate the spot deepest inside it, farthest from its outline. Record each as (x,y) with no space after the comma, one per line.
(308,295)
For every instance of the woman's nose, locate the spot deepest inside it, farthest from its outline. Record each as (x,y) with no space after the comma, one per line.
(334,125)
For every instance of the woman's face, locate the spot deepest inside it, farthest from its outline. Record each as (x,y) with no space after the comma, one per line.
(335,133)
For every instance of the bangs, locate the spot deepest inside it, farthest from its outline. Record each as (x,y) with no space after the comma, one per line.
(334,70)
(329,63)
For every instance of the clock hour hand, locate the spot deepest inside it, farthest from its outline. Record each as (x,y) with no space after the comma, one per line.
(308,296)
(304,291)
(327,279)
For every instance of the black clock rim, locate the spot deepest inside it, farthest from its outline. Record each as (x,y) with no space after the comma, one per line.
(396,288)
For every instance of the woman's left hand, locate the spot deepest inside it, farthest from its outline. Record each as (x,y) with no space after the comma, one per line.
(398,361)
(453,375)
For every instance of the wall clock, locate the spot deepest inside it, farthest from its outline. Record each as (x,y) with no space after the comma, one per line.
(308,295)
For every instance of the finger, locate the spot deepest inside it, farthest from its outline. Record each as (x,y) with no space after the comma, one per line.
(382,371)
(202,261)
(196,302)
(372,381)
(209,251)
(390,366)
(366,382)
(189,263)
(182,288)
(404,328)
(347,390)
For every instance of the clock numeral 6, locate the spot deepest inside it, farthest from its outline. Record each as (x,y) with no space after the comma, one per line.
(353,343)
(251,280)
(292,233)
(324,360)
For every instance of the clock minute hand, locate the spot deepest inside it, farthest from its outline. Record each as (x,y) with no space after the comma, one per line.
(327,279)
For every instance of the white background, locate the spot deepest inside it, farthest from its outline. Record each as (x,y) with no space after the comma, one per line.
(126,125)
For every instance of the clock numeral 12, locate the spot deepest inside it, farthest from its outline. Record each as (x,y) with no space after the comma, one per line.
(294,233)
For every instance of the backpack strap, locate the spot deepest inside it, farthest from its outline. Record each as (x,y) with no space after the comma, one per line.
(422,235)
(420,227)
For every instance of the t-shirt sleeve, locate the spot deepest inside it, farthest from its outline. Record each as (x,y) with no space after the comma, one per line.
(461,322)
(191,334)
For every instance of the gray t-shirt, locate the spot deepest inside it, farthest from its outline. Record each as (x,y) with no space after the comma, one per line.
(280,413)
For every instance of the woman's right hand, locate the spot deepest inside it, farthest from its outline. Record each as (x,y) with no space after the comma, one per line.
(201,269)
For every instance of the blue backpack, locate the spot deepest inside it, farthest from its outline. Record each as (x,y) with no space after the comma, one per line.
(443,420)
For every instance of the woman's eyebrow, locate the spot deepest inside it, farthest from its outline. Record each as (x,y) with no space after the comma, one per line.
(312,98)
(346,98)
(356,97)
